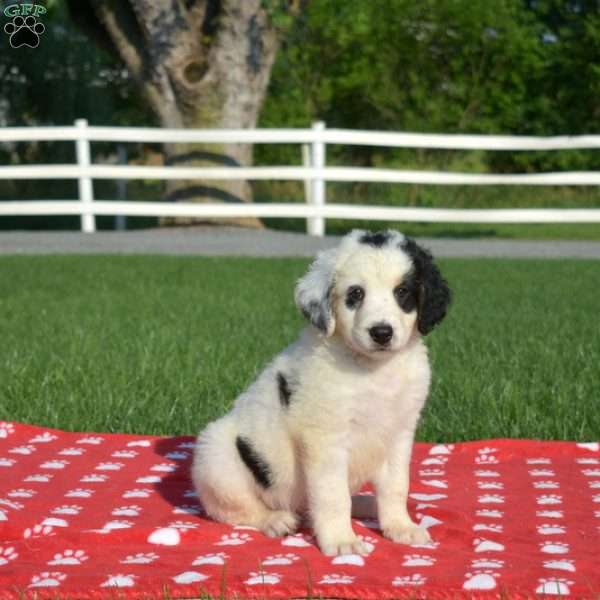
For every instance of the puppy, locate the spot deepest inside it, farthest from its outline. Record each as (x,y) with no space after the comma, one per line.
(338,407)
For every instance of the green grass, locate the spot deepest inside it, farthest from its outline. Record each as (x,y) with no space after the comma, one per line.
(163,344)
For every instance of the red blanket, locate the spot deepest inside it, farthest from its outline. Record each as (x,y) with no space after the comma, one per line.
(101,515)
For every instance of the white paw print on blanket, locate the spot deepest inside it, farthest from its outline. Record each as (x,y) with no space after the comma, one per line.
(177,455)
(546,485)
(298,540)
(491,499)
(487,563)
(91,440)
(356,559)
(490,513)
(141,558)
(140,443)
(548,529)
(483,545)
(7,554)
(188,577)
(563,564)
(149,479)
(557,586)
(124,454)
(119,581)
(7,462)
(38,531)
(211,559)
(126,511)
(24,450)
(43,438)
(436,460)
(490,485)
(281,559)
(335,578)
(409,581)
(21,493)
(234,539)
(54,522)
(110,466)
(549,499)
(6,429)
(171,535)
(554,547)
(550,514)
(37,477)
(137,493)
(486,473)
(67,509)
(69,557)
(441,449)
(538,461)
(480,580)
(418,560)
(47,579)
(79,493)
(165,468)
(488,527)
(71,452)
(260,577)
(11,504)
(115,524)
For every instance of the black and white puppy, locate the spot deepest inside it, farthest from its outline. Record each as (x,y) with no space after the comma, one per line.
(338,407)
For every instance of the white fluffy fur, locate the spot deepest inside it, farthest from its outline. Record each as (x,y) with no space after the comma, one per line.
(351,418)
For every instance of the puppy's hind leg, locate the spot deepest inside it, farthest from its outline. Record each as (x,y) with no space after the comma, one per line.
(227,488)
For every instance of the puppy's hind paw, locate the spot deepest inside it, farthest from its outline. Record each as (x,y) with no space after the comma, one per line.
(279,523)
(407,534)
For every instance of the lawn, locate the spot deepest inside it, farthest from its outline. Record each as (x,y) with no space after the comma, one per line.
(163,344)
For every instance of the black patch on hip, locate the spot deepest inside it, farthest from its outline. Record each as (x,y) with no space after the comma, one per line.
(285,393)
(377,239)
(258,467)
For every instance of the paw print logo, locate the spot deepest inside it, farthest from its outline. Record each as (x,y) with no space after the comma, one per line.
(281,559)
(79,493)
(47,579)
(7,462)
(418,560)
(214,559)
(71,451)
(591,472)
(54,464)
(547,529)
(553,586)
(25,450)
(487,563)
(43,438)
(596,498)
(141,558)
(554,547)
(188,577)
(549,499)
(38,531)
(91,440)
(67,509)
(263,577)
(490,485)
(6,429)
(490,513)
(542,473)
(485,527)
(37,477)
(335,578)
(432,472)
(11,504)
(588,461)
(594,484)
(486,459)
(410,581)
(69,557)
(110,466)
(538,461)
(483,545)
(491,499)
(94,478)
(550,514)
(480,580)
(112,525)
(164,468)
(24,31)
(119,581)
(124,454)
(563,564)
(127,511)
(546,485)
(21,493)
(7,554)
(486,473)
(234,539)
(437,460)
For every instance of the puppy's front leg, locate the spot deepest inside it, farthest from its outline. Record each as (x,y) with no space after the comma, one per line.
(391,487)
(326,471)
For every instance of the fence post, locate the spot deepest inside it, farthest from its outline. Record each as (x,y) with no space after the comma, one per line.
(121,220)
(316,225)
(86,190)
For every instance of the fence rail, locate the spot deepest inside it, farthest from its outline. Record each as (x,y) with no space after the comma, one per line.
(314,173)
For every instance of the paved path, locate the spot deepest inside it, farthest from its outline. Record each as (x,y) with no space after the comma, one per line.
(232,241)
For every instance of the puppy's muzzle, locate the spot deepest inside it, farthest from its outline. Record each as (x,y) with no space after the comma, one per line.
(381,333)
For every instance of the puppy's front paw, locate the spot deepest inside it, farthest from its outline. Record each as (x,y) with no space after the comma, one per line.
(347,545)
(279,523)
(407,534)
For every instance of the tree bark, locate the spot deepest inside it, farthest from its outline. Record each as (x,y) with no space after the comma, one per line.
(200,64)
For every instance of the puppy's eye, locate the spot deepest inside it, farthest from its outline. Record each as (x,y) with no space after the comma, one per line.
(401,292)
(354,296)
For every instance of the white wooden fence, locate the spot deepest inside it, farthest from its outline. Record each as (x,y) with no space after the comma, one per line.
(314,173)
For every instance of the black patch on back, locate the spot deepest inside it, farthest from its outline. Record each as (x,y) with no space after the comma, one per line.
(285,393)
(377,239)
(258,467)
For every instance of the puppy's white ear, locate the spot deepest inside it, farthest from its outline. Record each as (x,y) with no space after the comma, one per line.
(313,293)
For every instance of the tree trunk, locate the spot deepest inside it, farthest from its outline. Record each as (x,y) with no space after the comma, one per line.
(201,64)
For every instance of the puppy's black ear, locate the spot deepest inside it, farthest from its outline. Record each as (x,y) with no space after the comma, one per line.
(314,291)
(434,295)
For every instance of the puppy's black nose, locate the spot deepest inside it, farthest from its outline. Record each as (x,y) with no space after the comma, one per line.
(381,333)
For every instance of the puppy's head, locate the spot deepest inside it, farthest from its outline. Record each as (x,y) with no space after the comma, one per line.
(375,290)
